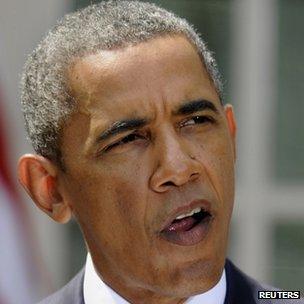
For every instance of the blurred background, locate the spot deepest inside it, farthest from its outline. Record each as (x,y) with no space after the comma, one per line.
(259,47)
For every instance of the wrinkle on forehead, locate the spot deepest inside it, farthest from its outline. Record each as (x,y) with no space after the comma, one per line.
(146,80)
(94,74)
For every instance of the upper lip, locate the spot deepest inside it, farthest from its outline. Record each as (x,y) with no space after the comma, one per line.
(200,203)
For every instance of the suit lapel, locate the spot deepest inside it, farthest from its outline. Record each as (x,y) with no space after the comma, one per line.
(239,289)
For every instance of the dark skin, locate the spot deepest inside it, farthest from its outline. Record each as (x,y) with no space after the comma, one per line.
(149,135)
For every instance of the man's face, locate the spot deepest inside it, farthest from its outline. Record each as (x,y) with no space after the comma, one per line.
(150,142)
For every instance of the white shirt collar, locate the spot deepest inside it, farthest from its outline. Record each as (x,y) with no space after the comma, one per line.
(95,291)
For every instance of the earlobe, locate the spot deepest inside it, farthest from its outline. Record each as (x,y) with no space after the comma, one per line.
(39,178)
(231,125)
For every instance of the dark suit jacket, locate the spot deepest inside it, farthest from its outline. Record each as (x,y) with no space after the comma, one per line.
(241,289)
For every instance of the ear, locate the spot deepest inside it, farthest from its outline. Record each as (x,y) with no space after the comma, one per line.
(231,125)
(39,177)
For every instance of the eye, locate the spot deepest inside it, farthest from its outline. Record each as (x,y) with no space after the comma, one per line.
(127,139)
(203,119)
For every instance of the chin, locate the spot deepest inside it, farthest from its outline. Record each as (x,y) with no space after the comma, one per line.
(193,279)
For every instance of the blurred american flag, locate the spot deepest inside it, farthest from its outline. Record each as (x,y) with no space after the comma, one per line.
(20,278)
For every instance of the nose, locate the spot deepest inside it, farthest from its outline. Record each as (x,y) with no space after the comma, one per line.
(176,165)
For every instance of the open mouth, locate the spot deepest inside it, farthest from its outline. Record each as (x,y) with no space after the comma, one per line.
(188,222)
(190,228)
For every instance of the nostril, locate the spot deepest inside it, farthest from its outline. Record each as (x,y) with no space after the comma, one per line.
(169,183)
(194,175)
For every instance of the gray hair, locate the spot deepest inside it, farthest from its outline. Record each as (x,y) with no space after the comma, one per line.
(46,102)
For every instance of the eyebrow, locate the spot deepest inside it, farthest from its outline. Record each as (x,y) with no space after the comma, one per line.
(190,107)
(135,123)
(122,126)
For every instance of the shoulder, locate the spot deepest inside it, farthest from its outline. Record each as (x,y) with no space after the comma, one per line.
(72,293)
(243,289)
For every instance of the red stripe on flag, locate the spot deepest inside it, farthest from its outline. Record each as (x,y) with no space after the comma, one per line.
(4,170)
(5,174)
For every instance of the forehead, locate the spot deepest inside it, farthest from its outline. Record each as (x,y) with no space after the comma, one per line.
(158,69)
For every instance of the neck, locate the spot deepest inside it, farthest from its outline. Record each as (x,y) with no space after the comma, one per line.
(138,295)
(145,291)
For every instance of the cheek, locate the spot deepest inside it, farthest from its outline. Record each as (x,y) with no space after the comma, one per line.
(217,158)
(108,196)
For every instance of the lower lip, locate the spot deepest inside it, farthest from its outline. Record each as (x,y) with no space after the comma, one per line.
(190,237)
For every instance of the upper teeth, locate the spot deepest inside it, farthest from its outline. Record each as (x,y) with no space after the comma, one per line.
(196,210)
